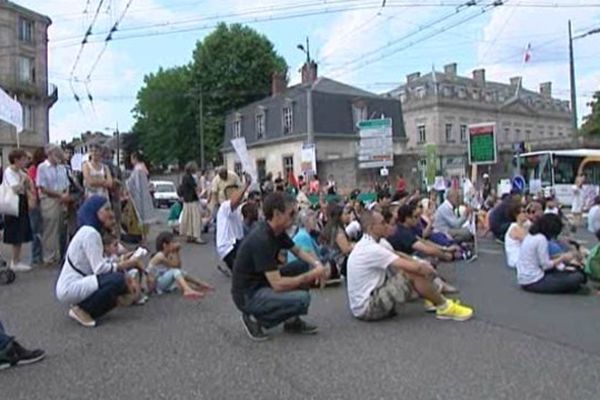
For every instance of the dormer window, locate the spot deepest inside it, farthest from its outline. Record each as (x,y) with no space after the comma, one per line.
(260,123)
(288,117)
(237,126)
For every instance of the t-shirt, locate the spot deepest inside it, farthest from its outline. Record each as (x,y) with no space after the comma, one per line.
(305,242)
(12,177)
(219,185)
(367,266)
(257,254)
(403,239)
(594,219)
(498,217)
(577,204)
(230,228)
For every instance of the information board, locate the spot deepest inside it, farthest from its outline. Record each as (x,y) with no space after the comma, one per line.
(376,147)
(482,143)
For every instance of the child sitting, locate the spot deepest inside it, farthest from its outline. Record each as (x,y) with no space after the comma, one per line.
(165,267)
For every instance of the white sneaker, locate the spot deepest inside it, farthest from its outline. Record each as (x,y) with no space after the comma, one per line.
(20,267)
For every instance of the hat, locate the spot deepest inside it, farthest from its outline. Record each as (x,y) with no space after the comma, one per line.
(485,176)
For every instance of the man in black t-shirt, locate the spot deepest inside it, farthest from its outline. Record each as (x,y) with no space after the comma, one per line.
(406,241)
(265,293)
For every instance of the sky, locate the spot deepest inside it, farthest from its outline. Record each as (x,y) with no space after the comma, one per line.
(372,44)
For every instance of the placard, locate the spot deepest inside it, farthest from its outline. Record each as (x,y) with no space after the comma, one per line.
(308,159)
(239,145)
(376,147)
(482,143)
(11,111)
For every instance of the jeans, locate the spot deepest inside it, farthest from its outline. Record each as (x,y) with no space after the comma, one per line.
(558,282)
(4,338)
(272,308)
(167,281)
(35,219)
(110,286)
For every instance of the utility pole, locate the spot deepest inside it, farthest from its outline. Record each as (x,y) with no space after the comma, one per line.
(310,130)
(572,73)
(201,107)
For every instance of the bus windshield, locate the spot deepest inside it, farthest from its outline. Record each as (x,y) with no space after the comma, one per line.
(537,167)
(565,169)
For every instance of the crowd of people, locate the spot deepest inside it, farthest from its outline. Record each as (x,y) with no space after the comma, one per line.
(275,243)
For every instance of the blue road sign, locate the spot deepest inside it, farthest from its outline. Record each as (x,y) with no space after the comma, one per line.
(518,183)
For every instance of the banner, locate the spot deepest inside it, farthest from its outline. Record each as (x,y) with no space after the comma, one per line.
(11,111)
(376,146)
(239,145)
(308,160)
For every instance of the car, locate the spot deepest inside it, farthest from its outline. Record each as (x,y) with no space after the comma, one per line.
(164,194)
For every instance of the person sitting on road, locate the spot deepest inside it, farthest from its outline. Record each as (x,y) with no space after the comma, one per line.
(515,234)
(250,215)
(12,354)
(89,283)
(498,219)
(335,238)
(230,223)
(379,281)
(446,221)
(536,271)
(265,293)
(165,270)
(594,216)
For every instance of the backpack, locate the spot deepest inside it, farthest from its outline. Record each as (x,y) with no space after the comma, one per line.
(592,263)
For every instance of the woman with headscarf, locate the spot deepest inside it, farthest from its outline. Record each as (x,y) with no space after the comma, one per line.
(88,282)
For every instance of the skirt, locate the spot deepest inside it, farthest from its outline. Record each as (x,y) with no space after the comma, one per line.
(17,230)
(191,222)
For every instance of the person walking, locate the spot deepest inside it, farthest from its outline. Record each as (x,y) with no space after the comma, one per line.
(17,230)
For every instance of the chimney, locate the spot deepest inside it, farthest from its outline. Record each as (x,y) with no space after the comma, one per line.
(412,77)
(546,89)
(450,70)
(479,76)
(278,83)
(515,81)
(309,72)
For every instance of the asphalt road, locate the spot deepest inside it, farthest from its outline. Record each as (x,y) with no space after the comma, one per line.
(519,346)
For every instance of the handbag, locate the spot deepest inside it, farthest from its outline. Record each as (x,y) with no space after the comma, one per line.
(9,201)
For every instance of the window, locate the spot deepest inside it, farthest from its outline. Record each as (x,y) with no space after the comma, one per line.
(26,70)
(260,126)
(507,135)
(288,165)
(422,134)
(449,133)
(517,135)
(28,117)
(237,168)
(261,169)
(359,113)
(237,128)
(527,134)
(288,119)
(25,30)
(463,133)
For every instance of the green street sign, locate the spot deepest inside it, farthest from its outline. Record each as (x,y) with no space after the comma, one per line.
(482,143)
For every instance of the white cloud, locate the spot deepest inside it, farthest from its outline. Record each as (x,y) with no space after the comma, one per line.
(510,30)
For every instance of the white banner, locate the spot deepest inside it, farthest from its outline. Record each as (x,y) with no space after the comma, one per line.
(11,111)
(239,145)
(308,160)
(376,146)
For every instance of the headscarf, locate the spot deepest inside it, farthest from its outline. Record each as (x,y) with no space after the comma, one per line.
(88,212)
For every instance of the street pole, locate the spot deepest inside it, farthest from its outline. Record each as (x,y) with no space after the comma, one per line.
(118,135)
(201,106)
(572,73)
(310,130)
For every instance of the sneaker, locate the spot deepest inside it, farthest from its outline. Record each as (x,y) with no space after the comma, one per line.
(470,256)
(454,310)
(82,317)
(253,328)
(429,306)
(142,300)
(16,355)
(299,326)
(20,267)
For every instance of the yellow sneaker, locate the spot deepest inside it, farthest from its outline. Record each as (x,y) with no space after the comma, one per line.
(454,311)
(429,306)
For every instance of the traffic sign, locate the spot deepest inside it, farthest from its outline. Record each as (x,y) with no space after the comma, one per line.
(518,183)
(482,143)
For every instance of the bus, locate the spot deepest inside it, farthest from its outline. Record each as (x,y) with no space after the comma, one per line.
(555,171)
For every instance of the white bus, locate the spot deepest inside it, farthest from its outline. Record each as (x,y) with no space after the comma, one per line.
(557,169)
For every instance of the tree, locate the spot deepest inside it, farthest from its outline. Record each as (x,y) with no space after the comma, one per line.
(591,124)
(232,67)
(165,117)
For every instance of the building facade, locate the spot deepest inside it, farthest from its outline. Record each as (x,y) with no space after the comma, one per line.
(438,106)
(24,75)
(276,127)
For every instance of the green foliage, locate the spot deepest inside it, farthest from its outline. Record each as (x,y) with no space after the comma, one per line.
(165,117)
(231,67)
(591,124)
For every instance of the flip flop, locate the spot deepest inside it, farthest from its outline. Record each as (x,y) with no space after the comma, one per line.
(193,296)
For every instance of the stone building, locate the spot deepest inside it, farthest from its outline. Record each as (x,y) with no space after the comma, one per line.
(24,74)
(438,106)
(276,127)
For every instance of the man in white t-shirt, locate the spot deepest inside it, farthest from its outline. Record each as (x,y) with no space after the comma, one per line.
(379,281)
(230,223)
(594,216)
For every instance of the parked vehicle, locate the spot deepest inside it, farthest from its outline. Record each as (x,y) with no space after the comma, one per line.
(165,193)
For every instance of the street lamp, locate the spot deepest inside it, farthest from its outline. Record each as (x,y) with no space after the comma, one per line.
(309,107)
